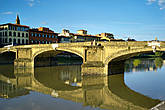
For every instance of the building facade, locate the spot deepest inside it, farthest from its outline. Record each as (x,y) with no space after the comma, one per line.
(16,34)
(42,35)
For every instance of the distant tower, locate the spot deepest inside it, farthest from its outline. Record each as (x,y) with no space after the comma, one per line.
(156,38)
(17,20)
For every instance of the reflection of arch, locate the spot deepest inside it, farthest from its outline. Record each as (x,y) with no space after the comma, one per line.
(52,78)
(112,96)
(117,86)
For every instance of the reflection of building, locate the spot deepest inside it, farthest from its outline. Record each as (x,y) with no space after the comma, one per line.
(42,35)
(11,91)
(14,33)
(144,65)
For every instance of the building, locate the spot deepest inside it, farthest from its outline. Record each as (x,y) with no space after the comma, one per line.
(64,39)
(82,32)
(16,34)
(42,35)
(65,32)
(80,36)
(106,35)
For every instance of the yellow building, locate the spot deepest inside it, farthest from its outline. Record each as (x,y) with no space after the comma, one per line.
(82,32)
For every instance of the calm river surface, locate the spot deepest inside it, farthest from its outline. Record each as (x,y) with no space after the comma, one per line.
(136,84)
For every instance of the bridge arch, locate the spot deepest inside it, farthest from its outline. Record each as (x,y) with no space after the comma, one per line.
(7,56)
(57,51)
(7,50)
(126,54)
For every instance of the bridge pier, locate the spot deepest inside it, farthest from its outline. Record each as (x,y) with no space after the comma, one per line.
(93,90)
(23,63)
(94,68)
(93,63)
(24,58)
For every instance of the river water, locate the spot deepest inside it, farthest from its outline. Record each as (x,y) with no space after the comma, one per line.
(136,84)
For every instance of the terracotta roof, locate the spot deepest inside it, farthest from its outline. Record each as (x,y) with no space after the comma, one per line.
(36,30)
(87,35)
(15,25)
(81,30)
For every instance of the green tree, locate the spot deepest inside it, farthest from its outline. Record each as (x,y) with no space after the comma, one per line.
(158,62)
(136,62)
(158,54)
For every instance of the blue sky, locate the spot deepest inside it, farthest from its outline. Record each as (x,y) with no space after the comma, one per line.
(139,19)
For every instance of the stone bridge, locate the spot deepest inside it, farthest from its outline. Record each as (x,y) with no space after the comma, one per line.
(96,57)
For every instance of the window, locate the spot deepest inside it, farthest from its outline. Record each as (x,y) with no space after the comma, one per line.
(0,34)
(18,41)
(35,34)
(10,27)
(46,35)
(6,33)
(42,35)
(10,33)
(32,34)
(27,41)
(22,34)
(39,35)
(26,29)
(14,34)
(18,29)
(14,41)
(18,34)
(5,40)
(22,29)
(26,34)
(49,36)
(14,28)
(52,36)
(10,40)
(22,41)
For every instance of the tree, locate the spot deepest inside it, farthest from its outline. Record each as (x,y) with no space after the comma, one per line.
(136,62)
(158,54)
(158,62)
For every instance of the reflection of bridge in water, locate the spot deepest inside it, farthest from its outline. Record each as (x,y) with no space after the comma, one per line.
(103,92)
(95,57)
(150,64)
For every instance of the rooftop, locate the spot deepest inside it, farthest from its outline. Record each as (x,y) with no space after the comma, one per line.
(14,25)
